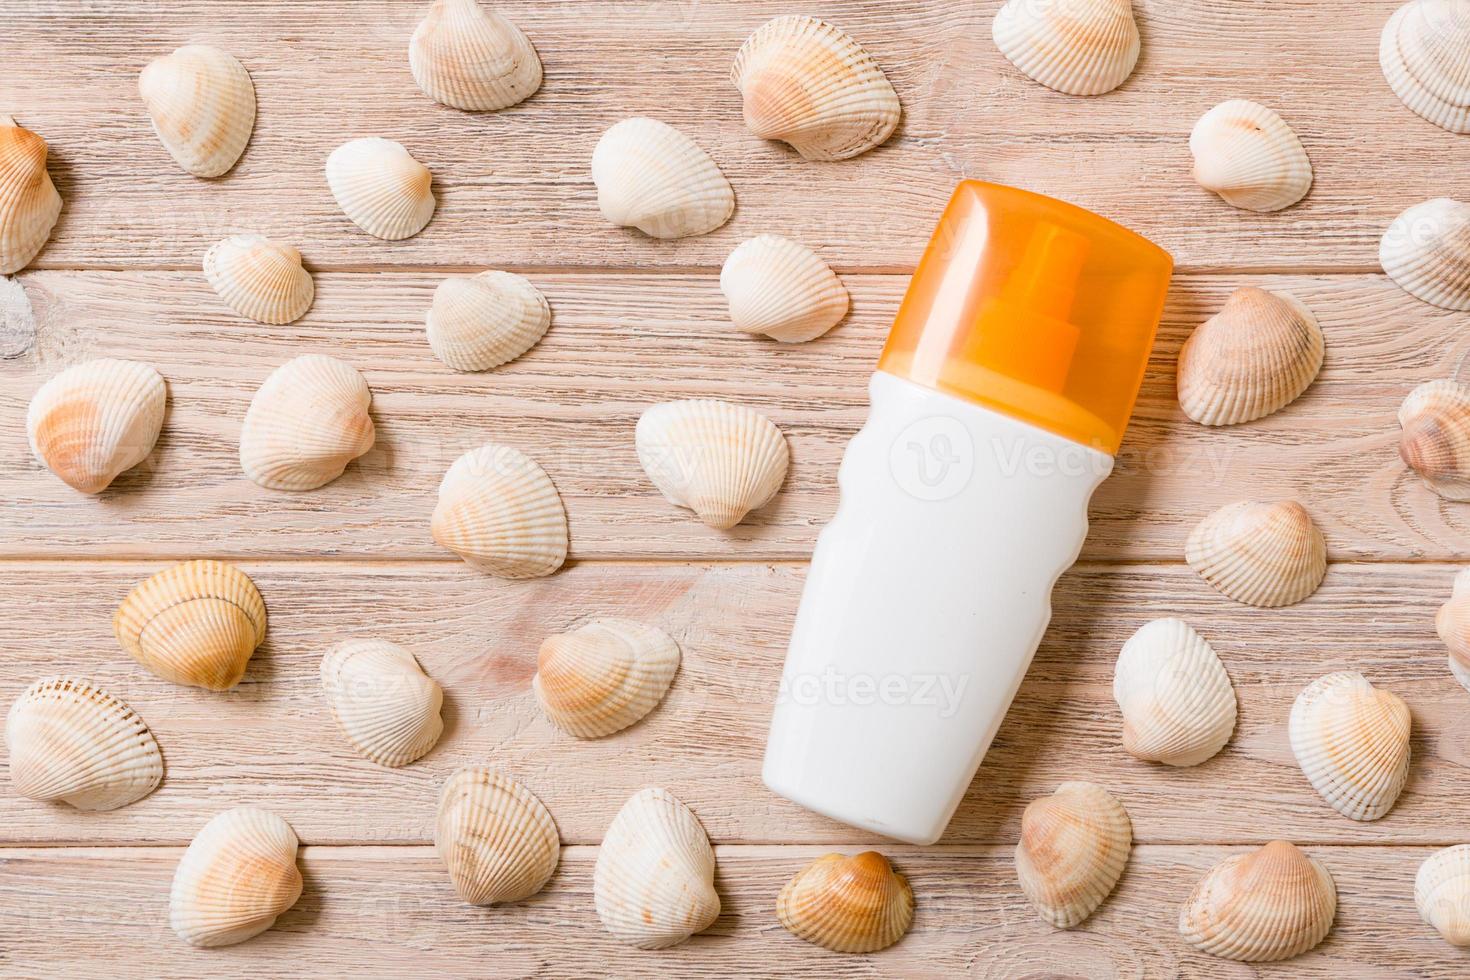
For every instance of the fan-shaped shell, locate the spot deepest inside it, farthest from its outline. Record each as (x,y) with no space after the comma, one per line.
(810,85)
(470,57)
(1267,905)
(96,420)
(72,742)
(306,423)
(605,676)
(382,700)
(237,876)
(499,511)
(1248,155)
(1074,846)
(847,904)
(1427,252)
(381,187)
(721,461)
(782,289)
(1435,442)
(496,839)
(259,279)
(483,321)
(652,177)
(1453,625)
(1260,554)
(1442,893)
(1253,358)
(1425,55)
(202,104)
(1177,702)
(654,883)
(1080,47)
(1352,742)
(29,203)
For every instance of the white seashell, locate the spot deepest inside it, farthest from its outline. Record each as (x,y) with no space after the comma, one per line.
(1080,47)
(381,187)
(782,289)
(470,57)
(721,461)
(605,676)
(499,511)
(1435,442)
(1425,55)
(652,177)
(306,423)
(1177,702)
(1442,893)
(1427,252)
(259,279)
(237,876)
(95,420)
(1250,157)
(1352,742)
(382,700)
(483,321)
(1074,846)
(71,742)
(496,839)
(654,883)
(1260,554)
(1453,625)
(202,104)
(29,203)
(847,904)
(810,85)
(1267,905)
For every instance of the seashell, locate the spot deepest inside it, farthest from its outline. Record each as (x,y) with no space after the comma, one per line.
(809,84)
(1435,442)
(721,461)
(1074,845)
(605,676)
(1253,358)
(483,321)
(1250,157)
(383,701)
(381,187)
(72,742)
(29,203)
(1453,626)
(96,420)
(1427,252)
(847,904)
(237,876)
(469,57)
(1267,905)
(306,423)
(652,177)
(499,511)
(654,883)
(782,289)
(1080,47)
(1266,555)
(195,623)
(1352,742)
(1177,702)
(1442,893)
(495,837)
(202,104)
(259,279)
(1425,55)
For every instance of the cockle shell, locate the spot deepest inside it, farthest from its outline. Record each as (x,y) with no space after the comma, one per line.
(483,321)
(1453,626)
(95,420)
(782,289)
(470,57)
(202,104)
(194,623)
(306,423)
(1352,742)
(70,741)
(1435,442)
(1425,55)
(237,876)
(381,187)
(721,461)
(259,279)
(654,883)
(382,700)
(1248,155)
(1267,905)
(847,904)
(1080,47)
(1074,846)
(810,85)
(1260,554)
(605,676)
(652,177)
(1427,252)
(1442,893)
(1177,701)
(1253,358)
(29,203)
(499,511)
(495,837)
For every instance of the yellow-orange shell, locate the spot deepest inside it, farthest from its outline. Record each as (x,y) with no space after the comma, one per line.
(1267,905)
(1074,846)
(600,679)
(847,904)
(236,877)
(29,203)
(96,420)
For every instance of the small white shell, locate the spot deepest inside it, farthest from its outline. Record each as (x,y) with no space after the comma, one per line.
(1453,625)
(496,839)
(1442,893)
(652,177)
(381,187)
(600,679)
(95,420)
(1248,155)
(470,57)
(1177,701)
(382,700)
(29,203)
(1352,742)
(1435,442)
(483,321)
(500,512)
(259,279)
(782,289)
(1074,846)
(306,423)
(237,876)
(202,104)
(1080,47)
(1260,907)
(1427,252)
(1425,55)
(1260,554)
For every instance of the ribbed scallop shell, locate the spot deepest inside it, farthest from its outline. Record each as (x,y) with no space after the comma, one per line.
(1177,701)
(483,321)
(1453,626)
(1248,155)
(237,876)
(652,177)
(810,85)
(1425,55)
(470,57)
(381,187)
(654,883)
(382,700)
(72,742)
(1253,358)
(499,511)
(306,423)
(96,420)
(721,461)
(782,289)
(202,103)
(1427,252)
(1074,846)
(1352,742)
(259,279)
(29,203)
(195,623)
(1080,47)
(1260,554)
(496,839)
(605,676)
(1442,893)
(847,904)
(1268,905)
(1435,442)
